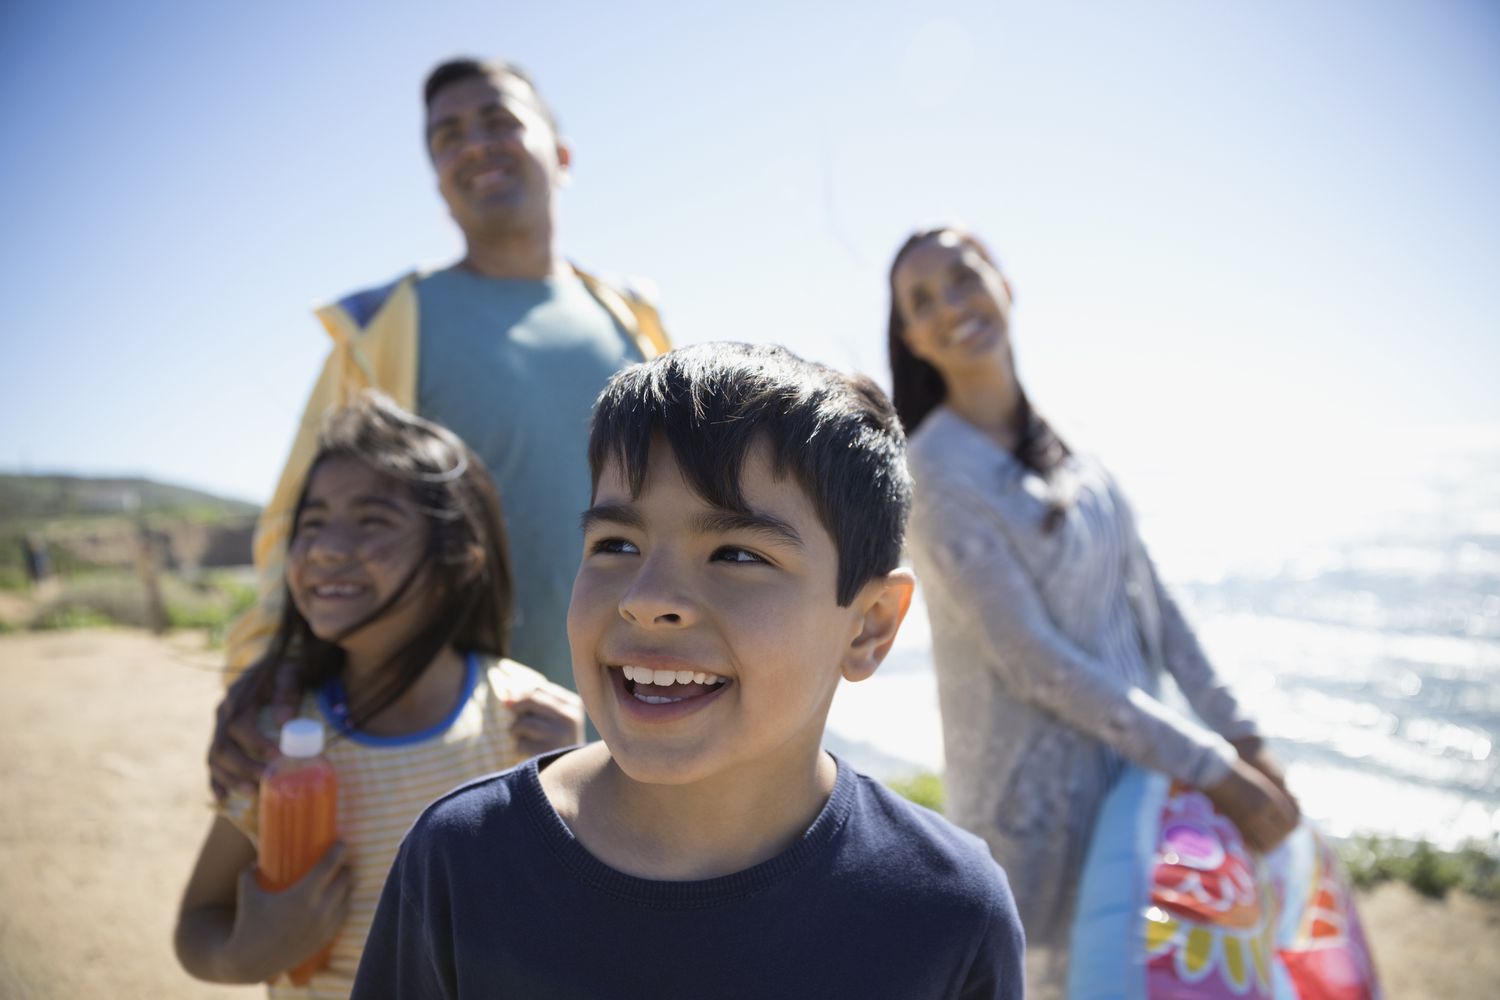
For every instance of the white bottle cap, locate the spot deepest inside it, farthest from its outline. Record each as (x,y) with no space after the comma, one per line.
(302,738)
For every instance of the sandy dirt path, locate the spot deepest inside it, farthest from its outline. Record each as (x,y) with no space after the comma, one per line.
(103,802)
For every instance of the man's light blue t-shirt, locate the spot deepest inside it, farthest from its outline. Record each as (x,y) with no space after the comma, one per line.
(513,366)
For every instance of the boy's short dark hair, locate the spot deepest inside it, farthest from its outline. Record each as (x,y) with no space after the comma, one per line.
(445,74)
(836,434)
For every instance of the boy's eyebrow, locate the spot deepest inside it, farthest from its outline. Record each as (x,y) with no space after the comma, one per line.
(713,522)
(754,522)
(611,513)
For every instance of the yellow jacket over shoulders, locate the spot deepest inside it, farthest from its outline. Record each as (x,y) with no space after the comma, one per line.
(375,345)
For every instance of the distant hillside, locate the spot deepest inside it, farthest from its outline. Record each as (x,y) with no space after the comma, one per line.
(34,498)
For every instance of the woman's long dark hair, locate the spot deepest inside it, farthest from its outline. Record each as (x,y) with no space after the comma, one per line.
(463,515)
(917,388)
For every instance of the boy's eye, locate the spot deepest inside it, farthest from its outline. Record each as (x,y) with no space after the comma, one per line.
(735,554)
(615,546)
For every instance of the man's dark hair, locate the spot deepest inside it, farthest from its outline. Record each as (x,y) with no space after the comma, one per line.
(452,71)
(835,434)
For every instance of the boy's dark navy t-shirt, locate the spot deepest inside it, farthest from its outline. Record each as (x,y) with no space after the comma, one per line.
(491,896)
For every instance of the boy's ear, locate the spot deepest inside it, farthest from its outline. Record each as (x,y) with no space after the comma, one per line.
(882,603)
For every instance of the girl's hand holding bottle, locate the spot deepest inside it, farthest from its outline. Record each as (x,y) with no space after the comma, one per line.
(277,931)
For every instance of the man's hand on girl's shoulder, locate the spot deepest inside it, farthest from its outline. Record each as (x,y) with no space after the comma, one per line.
(239,750)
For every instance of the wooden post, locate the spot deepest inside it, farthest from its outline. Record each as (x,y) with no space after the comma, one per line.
(146,569)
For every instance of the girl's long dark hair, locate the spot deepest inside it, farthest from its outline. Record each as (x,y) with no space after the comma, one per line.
(917,388)
(463,516)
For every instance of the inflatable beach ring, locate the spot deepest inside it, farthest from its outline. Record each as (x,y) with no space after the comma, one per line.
(1174,906)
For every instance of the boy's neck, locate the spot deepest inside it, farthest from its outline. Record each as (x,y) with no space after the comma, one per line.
(674,833)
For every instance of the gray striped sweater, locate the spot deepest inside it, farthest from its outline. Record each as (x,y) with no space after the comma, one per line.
(1049,647)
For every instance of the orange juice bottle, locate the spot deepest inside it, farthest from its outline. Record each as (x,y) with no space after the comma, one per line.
(298,818)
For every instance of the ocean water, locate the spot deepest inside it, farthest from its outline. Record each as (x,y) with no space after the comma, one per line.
(1351,595)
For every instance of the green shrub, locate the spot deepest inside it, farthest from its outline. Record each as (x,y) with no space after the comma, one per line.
(924,789)
(1481,871)
(1432,873)
(96,599)
(192,607)
(65,616)
(1475,868)
(117,597)
(233,598)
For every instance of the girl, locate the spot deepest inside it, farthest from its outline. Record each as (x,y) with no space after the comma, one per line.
(399,590)
(1050,629)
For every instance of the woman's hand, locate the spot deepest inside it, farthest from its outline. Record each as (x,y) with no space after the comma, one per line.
(276,931)
(239,750)
(547,717)
(1252,750)
(1262,810)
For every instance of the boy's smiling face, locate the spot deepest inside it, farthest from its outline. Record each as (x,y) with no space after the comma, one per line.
(740,610)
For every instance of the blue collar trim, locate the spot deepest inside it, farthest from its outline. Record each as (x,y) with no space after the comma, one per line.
(333,702)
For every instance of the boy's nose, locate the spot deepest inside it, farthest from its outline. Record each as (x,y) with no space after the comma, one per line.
(635,616)
(654,611)
(654,600)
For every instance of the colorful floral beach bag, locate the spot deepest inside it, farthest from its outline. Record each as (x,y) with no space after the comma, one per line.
(1174,906)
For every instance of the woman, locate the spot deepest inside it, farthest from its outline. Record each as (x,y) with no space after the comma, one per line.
(1050,627)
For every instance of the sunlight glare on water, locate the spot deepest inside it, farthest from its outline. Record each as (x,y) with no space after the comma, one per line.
(1353,602)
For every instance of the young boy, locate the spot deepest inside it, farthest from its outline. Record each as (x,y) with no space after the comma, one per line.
(740,557)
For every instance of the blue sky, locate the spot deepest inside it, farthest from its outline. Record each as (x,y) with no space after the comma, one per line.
(1225,222)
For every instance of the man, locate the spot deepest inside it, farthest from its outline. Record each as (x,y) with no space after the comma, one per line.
(507,347)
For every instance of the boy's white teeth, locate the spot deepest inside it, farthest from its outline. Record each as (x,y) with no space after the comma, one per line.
(652,699)
(666,678)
